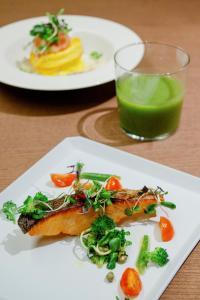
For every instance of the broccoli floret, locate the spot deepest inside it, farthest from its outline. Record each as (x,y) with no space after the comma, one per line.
(102,224)
(159,256)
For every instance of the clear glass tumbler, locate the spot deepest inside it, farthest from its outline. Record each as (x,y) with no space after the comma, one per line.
(150,86)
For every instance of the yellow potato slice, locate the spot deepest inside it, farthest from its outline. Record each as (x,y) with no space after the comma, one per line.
(60,63)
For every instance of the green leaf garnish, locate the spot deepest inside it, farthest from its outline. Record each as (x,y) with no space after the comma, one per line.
(10,210)
(49,32)
(104,243)
(101,225)
(41,197)
(95,55)
(34,207)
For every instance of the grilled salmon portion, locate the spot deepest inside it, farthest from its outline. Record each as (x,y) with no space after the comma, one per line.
(72,220)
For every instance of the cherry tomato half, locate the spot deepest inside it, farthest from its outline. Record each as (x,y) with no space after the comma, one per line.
(166,228)
(63,43)
(130,282)
(63,180)
(113,184)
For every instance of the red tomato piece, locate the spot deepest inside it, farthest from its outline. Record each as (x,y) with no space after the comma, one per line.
(166,228)
(63,180)
(63,43)
(113,184)
(131,283)
(38,42)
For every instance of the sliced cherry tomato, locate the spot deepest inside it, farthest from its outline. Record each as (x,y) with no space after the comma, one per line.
(63,43)
(38,42)
(63,180)
(113,184)
(130,282)
(166,228)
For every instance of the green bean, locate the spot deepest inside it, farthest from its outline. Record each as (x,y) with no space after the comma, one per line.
(96,176)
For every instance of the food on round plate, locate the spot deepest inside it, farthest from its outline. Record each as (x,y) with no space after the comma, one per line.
(54,52)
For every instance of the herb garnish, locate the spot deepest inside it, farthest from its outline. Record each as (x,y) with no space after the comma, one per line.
(150,209)
(105,243)
(35,207)
(10,210)
(95,55)
(50,32)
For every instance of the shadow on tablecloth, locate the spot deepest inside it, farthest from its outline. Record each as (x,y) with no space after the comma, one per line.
(102,125)
(38,103)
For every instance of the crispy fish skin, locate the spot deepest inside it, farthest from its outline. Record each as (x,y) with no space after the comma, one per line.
(72,221)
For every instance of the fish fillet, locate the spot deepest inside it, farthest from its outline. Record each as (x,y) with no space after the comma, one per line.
(72,220)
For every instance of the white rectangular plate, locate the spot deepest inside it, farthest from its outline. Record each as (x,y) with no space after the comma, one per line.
(57,268)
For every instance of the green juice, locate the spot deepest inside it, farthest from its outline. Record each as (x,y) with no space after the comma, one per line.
(149,106)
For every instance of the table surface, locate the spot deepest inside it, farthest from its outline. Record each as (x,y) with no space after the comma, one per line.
(32,122)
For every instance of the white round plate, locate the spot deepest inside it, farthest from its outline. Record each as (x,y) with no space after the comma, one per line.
(96,34)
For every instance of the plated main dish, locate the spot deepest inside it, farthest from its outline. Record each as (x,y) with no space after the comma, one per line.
(53,51)
(92,206)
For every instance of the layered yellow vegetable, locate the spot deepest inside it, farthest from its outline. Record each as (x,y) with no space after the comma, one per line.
(63,62)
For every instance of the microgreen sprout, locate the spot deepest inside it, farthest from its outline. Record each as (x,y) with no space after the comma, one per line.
(49,32)
(158,193)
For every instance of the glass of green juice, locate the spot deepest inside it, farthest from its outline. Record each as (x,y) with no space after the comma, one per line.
(150,87)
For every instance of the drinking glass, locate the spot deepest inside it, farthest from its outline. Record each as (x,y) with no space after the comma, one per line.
(150,87)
